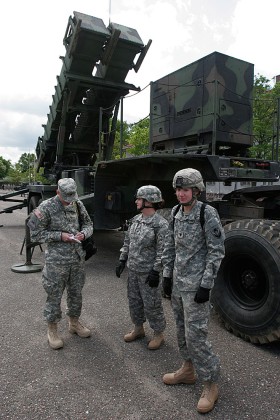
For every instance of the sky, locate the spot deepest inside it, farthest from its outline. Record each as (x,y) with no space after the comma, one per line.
(182,31)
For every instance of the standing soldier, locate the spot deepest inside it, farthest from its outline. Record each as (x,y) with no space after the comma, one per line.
(56,222)
(191,259)
(142,250)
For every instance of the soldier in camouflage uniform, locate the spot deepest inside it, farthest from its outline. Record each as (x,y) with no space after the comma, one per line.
(191,259)
(142,250)
(56,222)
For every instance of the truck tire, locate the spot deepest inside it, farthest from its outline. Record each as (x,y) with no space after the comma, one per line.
(246,294)
(34,202)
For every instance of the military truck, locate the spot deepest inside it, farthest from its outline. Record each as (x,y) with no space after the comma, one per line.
(200,117)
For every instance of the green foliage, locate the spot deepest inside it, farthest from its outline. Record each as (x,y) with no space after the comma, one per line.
(135,139)
(39,177)
(26,162)
(139,138)
(21,172)
(4,167)
(116,154)
(14,176)
(264,118)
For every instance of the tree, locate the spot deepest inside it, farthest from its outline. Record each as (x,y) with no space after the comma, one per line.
(14,176)
(117,146)
(26,162)
(139,138)
(4,167)
(135,139)
(23,171)
(265,100)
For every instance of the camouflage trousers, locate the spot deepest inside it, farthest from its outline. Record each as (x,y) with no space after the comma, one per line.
(192,330)
(145,302)
(58,277)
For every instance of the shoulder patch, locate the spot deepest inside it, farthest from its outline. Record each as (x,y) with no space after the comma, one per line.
(38,214)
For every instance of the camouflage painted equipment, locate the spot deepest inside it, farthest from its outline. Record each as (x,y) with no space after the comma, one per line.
(149,193)
(68,189)
(188,178)
(89,88)
(204,108)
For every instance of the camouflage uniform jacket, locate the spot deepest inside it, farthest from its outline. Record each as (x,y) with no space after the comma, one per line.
(50,219)
(193,252)
(143,243)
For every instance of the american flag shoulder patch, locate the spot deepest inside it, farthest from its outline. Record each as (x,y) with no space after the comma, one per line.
(38,214)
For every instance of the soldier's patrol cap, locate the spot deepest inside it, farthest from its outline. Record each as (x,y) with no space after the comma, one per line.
(68,189)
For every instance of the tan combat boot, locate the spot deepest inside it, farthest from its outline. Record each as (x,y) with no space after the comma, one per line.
(75,327)
(55,341)
(208,397)
(156,342)
(184,375)
(137,332)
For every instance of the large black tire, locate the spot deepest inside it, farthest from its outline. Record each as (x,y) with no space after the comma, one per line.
(246,294)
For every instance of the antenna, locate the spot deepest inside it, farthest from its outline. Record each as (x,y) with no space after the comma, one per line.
(109,12)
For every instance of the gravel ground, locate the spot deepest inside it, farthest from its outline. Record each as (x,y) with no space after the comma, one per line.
(103,377)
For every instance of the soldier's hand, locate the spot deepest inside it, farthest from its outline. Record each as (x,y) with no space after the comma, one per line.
(167,286)
(202,295)
(120,267)
(67,237)
(80,236)
(153,278)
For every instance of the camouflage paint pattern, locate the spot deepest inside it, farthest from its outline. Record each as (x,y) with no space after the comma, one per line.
(92,78)
(206,105)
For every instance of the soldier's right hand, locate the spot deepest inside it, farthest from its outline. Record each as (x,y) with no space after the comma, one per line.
(120,267)
(67,237)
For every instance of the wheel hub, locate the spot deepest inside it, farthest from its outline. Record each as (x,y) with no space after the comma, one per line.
(249,280)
